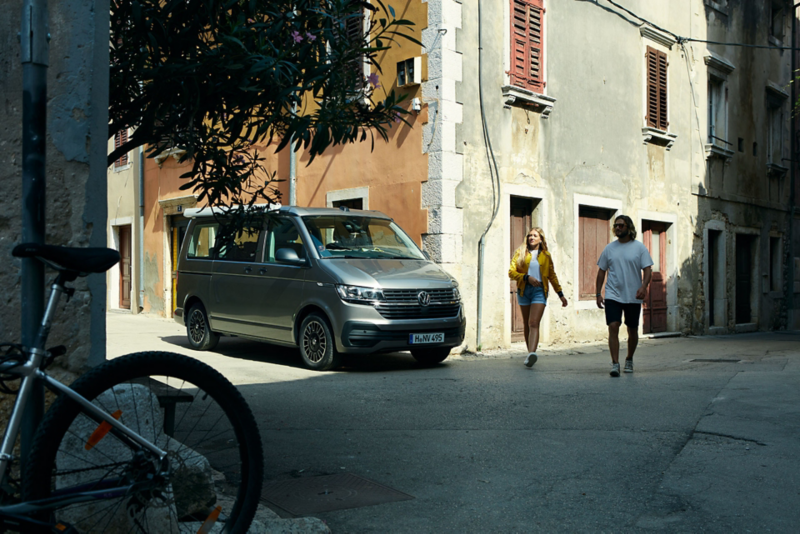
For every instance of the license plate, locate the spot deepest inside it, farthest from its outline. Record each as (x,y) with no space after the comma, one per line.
(418,339)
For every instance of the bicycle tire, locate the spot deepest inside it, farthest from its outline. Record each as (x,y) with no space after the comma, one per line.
(56,454)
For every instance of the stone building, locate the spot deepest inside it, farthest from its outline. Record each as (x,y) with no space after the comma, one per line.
(564,114)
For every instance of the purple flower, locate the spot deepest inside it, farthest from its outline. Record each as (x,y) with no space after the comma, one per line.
(373,79)
(397,117)
(311,36)
(296,37)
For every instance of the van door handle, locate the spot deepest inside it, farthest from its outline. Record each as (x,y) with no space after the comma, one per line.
(247,270)
(262,271)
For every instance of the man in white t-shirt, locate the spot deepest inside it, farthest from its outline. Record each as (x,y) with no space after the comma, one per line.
(624,260)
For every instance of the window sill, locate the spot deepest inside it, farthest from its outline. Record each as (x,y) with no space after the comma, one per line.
(523,98)
(716,151)
(658,137)
(122,167)
(776,171)
(176,154)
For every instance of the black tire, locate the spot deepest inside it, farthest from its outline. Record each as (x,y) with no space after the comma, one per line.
(215,455)
(317,345)
(431,356)
(198,330)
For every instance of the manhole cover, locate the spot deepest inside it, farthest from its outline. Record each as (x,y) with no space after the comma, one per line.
(310,495)
(715,360)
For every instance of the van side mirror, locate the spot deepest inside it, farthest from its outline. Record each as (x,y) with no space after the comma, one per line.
(427,256)
(288,255)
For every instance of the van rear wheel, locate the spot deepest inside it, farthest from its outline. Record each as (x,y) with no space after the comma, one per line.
(431,356)
(317,344)
(199,331)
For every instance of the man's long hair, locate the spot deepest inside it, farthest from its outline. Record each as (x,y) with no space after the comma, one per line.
(627,220)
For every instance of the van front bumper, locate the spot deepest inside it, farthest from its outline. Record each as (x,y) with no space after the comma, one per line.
(365,337)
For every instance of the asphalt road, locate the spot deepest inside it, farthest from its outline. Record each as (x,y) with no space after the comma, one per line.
(484,444)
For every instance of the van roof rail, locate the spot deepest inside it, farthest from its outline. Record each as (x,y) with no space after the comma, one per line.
(192,213)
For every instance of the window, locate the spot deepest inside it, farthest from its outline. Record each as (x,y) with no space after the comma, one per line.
(717,112)
(203,241)
(527,44)
(354,33)
(594,231)
(239,244)
(775,139)
(120,138)
(408,71)
(656,89)
(282,234)
(352,203)
(776,19)
(774,263)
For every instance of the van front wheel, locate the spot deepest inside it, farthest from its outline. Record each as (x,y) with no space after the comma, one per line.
(317,344)
(431,356)
(198,330)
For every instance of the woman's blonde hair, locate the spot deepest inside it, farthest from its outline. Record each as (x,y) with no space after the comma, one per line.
(521,251)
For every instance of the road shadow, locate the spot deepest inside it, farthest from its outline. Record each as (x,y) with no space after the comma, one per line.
(259,351)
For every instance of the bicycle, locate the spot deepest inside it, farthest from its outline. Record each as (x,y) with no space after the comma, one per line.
(148,442)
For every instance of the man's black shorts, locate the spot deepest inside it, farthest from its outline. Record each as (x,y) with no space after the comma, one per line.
(614,311)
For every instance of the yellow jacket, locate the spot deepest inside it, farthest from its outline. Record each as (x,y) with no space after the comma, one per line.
(545,269)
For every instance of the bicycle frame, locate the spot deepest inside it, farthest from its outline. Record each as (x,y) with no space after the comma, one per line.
(31,372)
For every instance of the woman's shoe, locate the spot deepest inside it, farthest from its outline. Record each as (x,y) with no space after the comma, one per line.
(531,359)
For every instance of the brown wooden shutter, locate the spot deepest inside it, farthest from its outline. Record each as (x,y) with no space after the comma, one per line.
(527,45)
(663,124)
(656,89)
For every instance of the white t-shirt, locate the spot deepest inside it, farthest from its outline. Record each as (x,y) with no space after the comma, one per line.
(624,263)
(533,270)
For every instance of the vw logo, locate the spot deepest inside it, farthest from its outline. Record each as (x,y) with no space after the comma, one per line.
(424,298)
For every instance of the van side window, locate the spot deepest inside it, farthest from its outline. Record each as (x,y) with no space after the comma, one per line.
(203,240)
(238,245)
(282,234)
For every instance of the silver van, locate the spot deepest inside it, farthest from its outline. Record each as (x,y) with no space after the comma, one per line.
(329,281)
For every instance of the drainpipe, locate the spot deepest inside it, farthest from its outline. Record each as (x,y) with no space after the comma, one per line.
(34,53)
(292,167)
(789,254)
(140,232)
(490,157)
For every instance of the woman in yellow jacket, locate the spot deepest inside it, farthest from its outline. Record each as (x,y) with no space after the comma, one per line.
(532,269)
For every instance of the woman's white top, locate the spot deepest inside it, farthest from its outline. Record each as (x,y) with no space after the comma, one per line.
(533,270)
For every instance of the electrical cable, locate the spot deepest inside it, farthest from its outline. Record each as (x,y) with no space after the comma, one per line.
(496,197)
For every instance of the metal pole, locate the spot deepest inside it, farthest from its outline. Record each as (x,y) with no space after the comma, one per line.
(34,39)
(292,167)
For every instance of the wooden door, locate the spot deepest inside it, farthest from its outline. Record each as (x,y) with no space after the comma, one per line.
(125,267)
(521,222)
(654,309)
(179,224)
(744,276)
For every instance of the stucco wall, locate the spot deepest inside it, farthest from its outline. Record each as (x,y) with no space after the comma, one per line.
(591,150)
(77,119)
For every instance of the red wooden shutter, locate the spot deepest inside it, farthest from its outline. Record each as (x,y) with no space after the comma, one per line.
(656,89)
(527,22)
(593,235)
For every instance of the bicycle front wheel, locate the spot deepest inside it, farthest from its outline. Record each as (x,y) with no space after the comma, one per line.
(213,472)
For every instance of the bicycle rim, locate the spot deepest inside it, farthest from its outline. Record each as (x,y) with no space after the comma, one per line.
(211,480)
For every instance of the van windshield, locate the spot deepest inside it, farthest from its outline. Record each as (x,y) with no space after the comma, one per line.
(353,236)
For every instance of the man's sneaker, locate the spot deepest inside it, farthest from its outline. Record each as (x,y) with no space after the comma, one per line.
(531,359)
(614,369)
(628,366)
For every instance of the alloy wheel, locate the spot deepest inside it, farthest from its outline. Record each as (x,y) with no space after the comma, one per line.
(314,341)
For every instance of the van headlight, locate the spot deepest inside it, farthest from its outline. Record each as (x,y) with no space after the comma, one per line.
(359,295)
(456,293)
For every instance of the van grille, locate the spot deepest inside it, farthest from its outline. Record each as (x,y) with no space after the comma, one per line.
(404,304)
(410,295)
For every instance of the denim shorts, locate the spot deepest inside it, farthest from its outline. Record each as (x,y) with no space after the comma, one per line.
(532,295)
